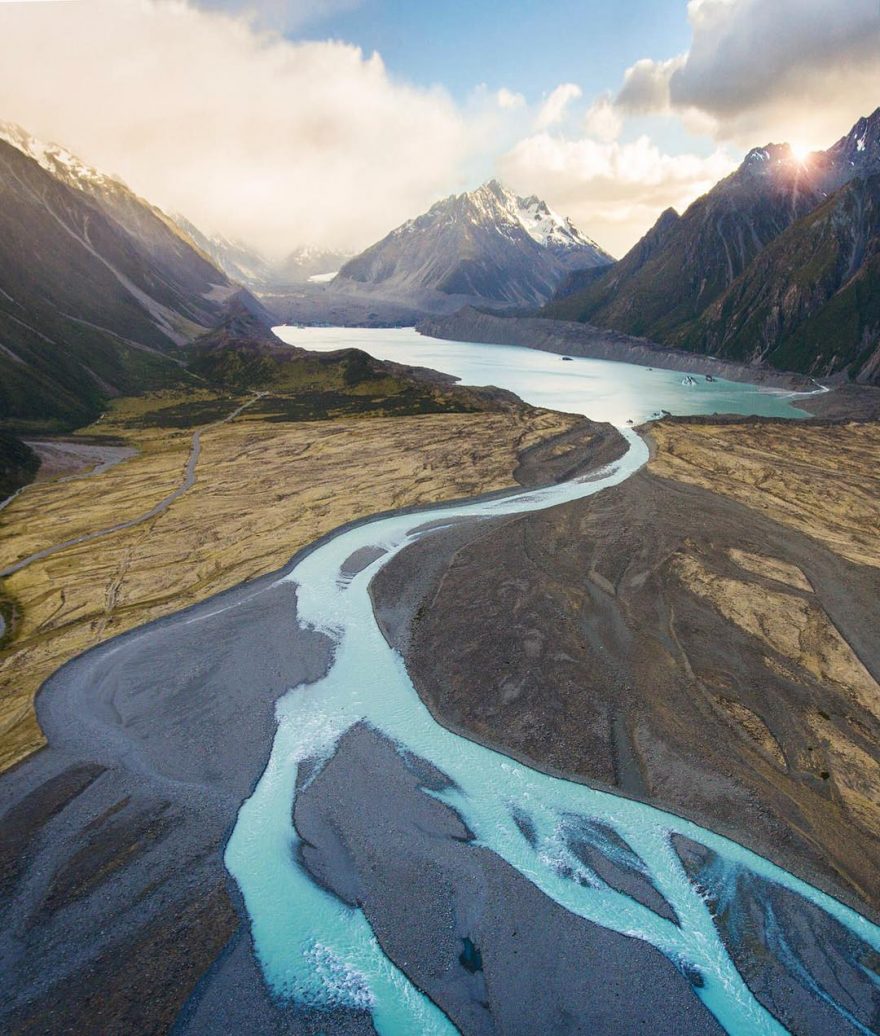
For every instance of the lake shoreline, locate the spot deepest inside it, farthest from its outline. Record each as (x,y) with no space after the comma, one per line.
(608,389)
(568,338)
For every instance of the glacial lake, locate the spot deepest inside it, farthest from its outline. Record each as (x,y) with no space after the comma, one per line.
(601,389)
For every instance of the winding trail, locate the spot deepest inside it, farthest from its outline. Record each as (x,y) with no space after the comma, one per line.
(320,951)
(186,483)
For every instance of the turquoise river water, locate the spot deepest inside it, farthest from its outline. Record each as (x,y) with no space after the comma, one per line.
(321,952)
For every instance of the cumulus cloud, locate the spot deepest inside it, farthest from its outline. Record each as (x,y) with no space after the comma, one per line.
(756,71)
(801,70)
(603,120)
(274,142)
(646,85)
(613,191)
(554,108)
(508,99)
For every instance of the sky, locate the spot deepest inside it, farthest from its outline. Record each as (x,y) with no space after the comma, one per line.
(283,123)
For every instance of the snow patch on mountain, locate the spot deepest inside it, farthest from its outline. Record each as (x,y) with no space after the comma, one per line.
(57,160)
(493,204)
(488,245)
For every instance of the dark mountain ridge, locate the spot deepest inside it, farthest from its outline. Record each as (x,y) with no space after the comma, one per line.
(811,300)
(692,282)
(98,290)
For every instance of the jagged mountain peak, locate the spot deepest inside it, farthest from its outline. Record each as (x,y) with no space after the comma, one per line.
(778,260)
(762,159)
(487,244)
(857,154)
(864,136)
(493,204)
(58,160)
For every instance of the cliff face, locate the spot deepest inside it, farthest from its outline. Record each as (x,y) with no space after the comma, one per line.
(777,263)
(811,299)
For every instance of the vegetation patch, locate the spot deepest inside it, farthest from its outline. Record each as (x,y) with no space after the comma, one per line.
(187,414)
(18,464)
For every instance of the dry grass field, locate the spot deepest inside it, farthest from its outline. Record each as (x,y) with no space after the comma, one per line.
(821,480)
(264,489)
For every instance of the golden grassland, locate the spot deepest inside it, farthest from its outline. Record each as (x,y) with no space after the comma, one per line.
(821,480)
(264,489)
(824,482)
(797,629)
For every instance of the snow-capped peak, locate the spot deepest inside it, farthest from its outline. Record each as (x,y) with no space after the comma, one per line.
(493,204)
(538,220)
(57,160)
(548,228)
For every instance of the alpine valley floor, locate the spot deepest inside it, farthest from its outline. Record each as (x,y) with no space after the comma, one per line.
(632,640)
(703,636)
(115,900)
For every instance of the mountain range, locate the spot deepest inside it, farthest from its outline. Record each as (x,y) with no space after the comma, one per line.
(487,245)
(99,289)
(777,264)
(259,273)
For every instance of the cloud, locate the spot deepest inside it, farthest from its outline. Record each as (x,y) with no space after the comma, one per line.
(508,99)
(553,109)
(646,86)
(282,14)
(603,120)
(800,70)
(613,191)
(246,133)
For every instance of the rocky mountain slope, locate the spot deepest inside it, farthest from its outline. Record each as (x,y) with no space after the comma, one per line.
(488,244)
(676,283)
(98,288)
(240,263)
(811,300)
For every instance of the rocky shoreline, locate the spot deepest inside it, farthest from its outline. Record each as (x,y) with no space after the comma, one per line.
(568,338)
